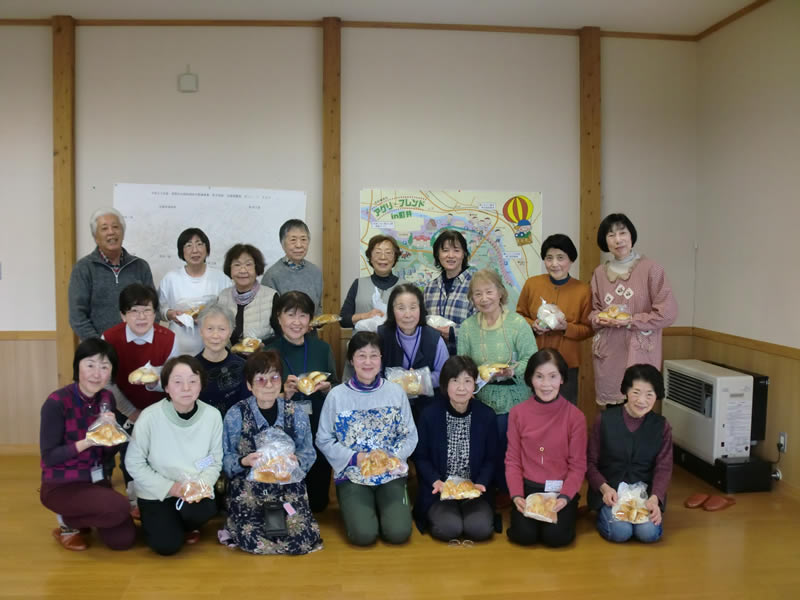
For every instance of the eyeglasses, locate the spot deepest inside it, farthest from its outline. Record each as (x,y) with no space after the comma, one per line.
(141,312)
(377,254)
(265,380)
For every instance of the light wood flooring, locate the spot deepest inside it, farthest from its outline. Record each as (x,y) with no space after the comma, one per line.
(751,550)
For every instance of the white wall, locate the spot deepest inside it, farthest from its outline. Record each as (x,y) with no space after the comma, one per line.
(27,287)
(255,122)
(649,94)
(462,110)
(749,176)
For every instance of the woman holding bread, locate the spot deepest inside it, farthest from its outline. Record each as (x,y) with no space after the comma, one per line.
(546,454)
(309,371)
(567,327)
(76,471)
(263,436)
(366,432)
(632,302)
(175,457)
(457,442)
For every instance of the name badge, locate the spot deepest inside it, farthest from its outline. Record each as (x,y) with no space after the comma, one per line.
(97,474)
(204,463)
(289,509)
(553,485)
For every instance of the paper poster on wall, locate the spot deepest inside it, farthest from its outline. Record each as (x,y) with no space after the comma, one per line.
(503,230)
(156,215)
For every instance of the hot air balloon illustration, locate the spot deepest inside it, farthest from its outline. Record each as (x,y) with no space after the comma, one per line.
(518,210)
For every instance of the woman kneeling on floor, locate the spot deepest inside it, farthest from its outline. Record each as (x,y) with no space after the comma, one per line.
(546,453)
(175,457)
(366,432)
(630,443)
(268,453)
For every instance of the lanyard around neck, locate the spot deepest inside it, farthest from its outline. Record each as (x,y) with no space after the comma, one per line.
(410,359)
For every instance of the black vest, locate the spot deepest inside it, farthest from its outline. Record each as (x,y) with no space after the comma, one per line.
(626,456)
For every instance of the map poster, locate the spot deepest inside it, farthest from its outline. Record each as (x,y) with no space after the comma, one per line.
(503,230)
(156,214)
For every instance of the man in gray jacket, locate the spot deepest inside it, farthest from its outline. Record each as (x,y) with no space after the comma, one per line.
(99,277)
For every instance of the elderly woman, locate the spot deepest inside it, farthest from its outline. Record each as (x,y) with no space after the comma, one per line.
(301,354)
(632,303)
(267,518)
(497,335)
(571,296)
(382,255)
(176,442)
(250,302)
(76,482)
(193,284)
(457,438)
(225,384)
(293,272)
(447,295)
(364,414)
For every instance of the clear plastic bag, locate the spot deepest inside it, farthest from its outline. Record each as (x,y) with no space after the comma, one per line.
(373,323)
(457,488)
(277,463)
(630,505)
(145,374)
(490,371)
(249,344)
(438,321)
(324,319)
(193,306)
(541,506)
(307,382)
(618,312)
(415,382)
(378,462)
(193,489)
(105,431)
(549,315)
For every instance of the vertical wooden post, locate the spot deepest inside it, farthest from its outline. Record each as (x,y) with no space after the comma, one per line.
(331,177)
(63,28)
(591,190)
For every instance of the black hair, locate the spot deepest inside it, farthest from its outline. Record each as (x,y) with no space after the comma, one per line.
(184,359)
(137,294)
(292,224)
(643,372)
(262,362)
(542,357)
(237,250)
(360,340)
(453,367)
(456,239)
(289,301)
(405,288)
(90,347)
(559,241)
(607,225)
(187,234)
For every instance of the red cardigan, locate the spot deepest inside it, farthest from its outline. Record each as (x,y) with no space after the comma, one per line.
(546,441)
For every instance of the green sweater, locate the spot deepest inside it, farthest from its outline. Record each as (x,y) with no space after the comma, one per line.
(512,341)
(165,448)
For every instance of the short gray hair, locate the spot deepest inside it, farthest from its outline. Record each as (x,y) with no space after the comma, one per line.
(214,310)
(102,212)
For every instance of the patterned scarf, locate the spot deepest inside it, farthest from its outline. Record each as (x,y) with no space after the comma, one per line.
(245,298)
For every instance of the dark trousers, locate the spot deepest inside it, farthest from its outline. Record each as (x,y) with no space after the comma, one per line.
(451,519)
(368,510)
(164,526)
(318,478)
(502,446)
(526,531)
(82,504)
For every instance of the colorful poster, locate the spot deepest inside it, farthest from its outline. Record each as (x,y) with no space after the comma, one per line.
(503,230)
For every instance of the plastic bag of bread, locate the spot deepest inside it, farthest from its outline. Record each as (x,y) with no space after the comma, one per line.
(194,489)
(457,488)
(145,374)
(549,315)
(490,371)
(306,382)
(379,462)
(438,321)
(247,345)
(542,507)
(105,431)
(277,463)
(324,319)
(193,306)
(630,503)
(415,382)
(615,312)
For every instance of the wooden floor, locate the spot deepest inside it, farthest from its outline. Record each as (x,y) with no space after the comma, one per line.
(751,550)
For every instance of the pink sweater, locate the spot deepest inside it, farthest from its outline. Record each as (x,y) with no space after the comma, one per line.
(546,441)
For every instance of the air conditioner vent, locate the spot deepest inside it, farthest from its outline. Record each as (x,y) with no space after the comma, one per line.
(690,392)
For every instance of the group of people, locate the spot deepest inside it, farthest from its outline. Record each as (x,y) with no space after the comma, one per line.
(200,435)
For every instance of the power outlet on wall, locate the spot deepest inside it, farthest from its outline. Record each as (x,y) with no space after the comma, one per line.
(782,441)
